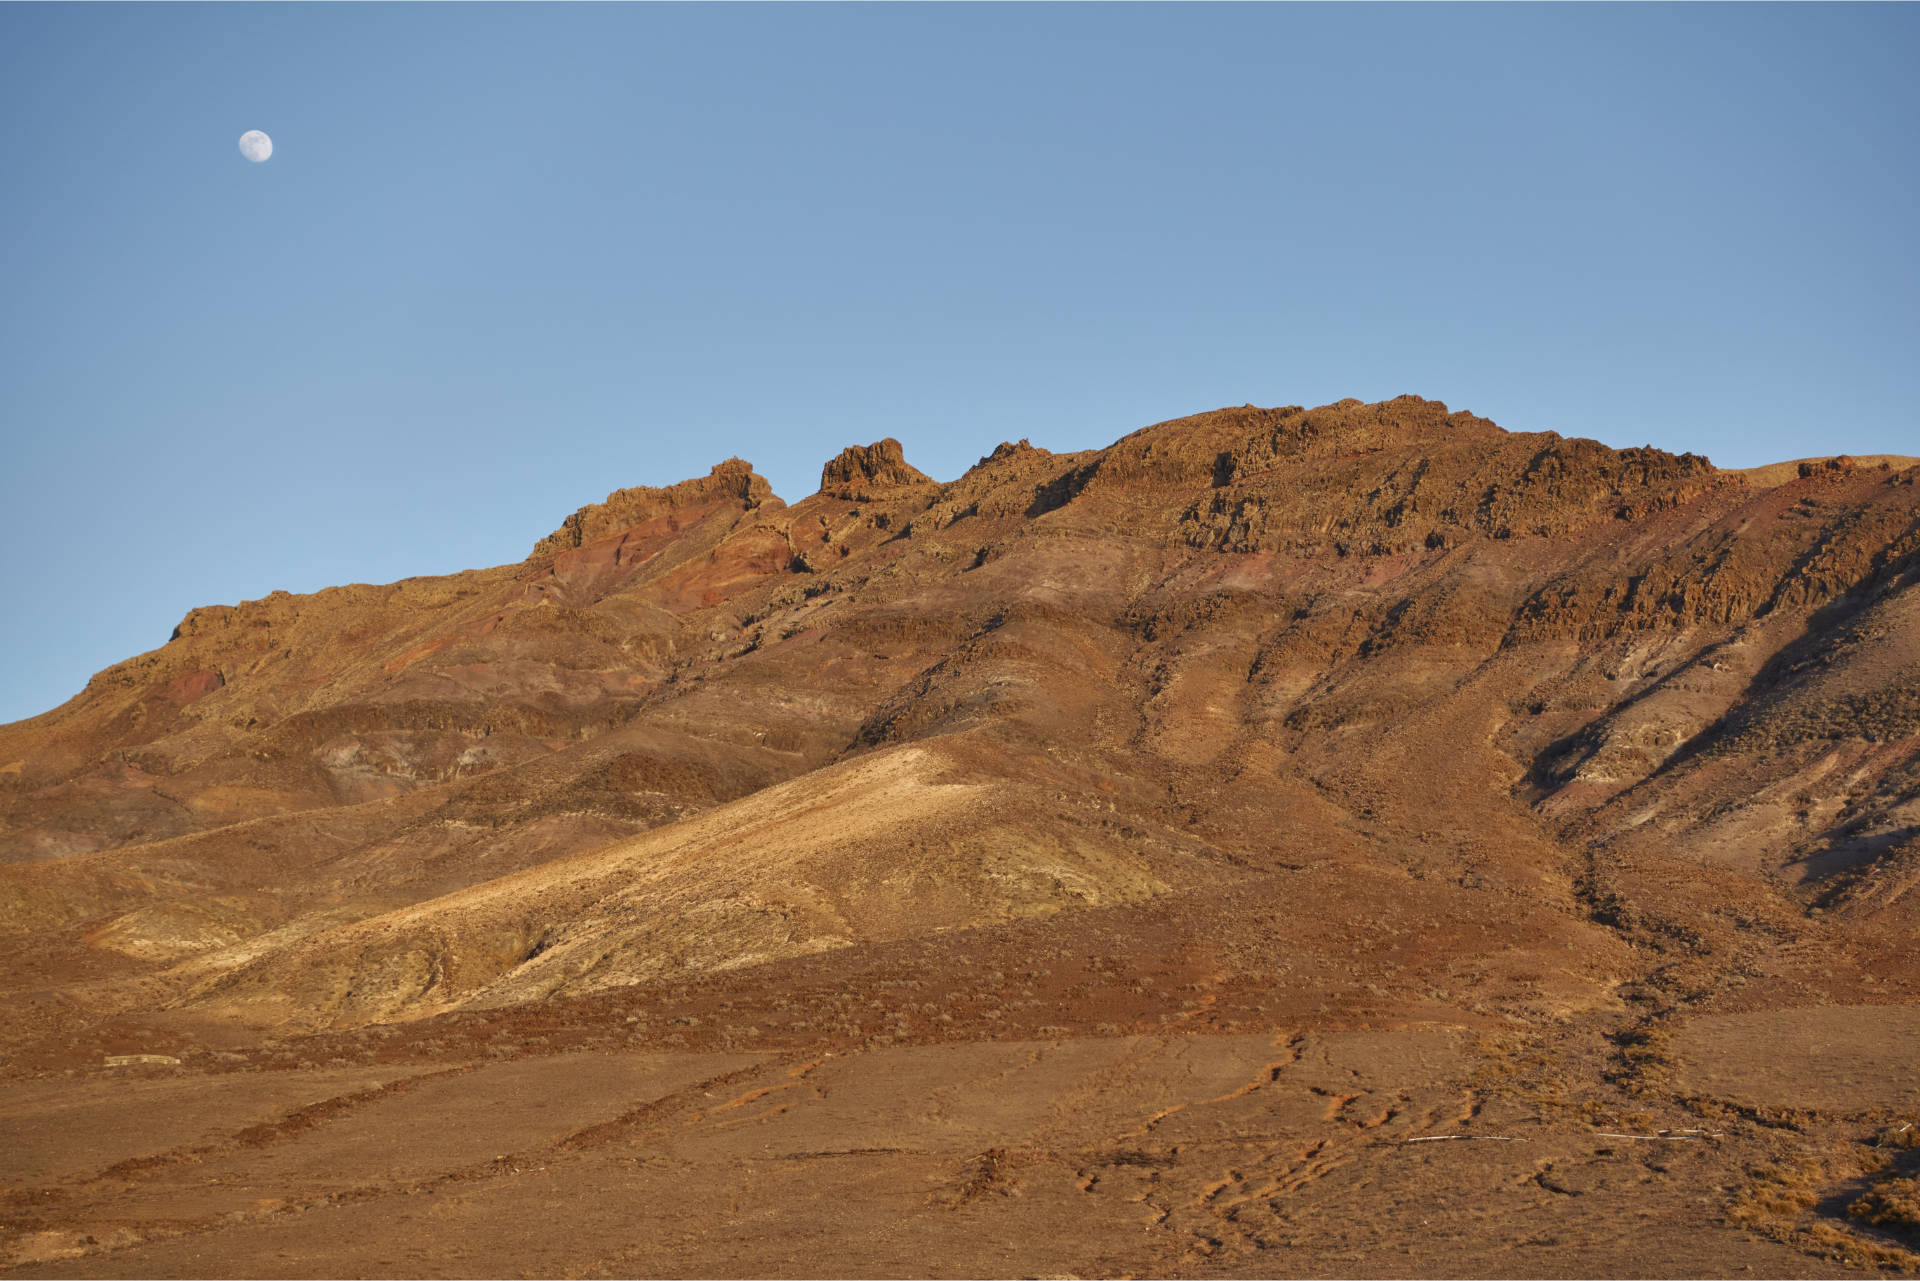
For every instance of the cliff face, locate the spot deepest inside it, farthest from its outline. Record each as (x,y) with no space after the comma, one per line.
(1574,706)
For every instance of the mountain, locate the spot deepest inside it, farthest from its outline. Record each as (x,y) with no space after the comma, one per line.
(1364,721)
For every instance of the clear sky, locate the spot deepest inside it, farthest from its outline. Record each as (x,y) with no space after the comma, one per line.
(505,259)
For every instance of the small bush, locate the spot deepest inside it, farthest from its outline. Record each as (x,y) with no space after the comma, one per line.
(1894,1203)
(1898,1136)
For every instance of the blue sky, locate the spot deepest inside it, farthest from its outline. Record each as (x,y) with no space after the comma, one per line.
(505,259)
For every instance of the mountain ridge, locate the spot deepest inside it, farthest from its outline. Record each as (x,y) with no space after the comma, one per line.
(1316,550)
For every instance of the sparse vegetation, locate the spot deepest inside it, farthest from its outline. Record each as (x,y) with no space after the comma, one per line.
(1892,1203)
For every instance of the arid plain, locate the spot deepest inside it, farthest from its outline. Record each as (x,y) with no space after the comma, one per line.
(1348,841)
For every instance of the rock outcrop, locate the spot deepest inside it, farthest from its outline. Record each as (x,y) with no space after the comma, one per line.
(732,483)
(859,472)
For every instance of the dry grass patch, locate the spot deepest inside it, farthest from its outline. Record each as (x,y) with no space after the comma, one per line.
(1856,1252)
(1775,1201)
(1892,1203)
(1775,1196)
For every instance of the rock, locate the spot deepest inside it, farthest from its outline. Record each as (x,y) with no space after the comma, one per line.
(858,472)
(731,482)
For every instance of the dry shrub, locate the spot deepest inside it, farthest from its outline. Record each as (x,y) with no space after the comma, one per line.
(1893,1203)
(1902,1136)
(1774,1193)
(1859,1253)
(1775,1197)
(1645,1058)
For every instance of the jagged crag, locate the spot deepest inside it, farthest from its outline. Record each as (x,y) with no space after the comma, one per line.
(1102,862)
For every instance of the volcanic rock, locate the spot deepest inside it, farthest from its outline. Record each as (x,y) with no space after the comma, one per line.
(858,471)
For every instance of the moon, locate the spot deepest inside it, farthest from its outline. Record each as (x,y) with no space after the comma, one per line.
(255,146)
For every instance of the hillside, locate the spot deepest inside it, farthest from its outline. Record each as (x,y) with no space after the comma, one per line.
(1265,786)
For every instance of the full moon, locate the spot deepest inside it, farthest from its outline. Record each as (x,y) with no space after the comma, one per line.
(255,146)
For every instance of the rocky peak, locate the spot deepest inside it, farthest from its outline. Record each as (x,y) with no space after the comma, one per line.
(859,470)
(731,482)
(1022,448)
